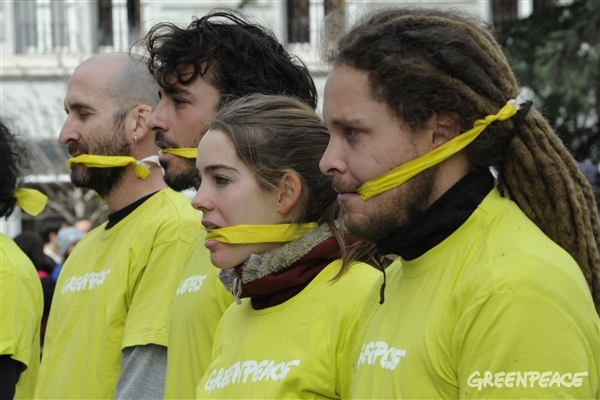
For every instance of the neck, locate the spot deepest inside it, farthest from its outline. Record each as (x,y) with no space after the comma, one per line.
(449,172)
(133,188)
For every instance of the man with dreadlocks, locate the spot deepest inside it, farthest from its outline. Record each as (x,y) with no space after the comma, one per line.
(488,298)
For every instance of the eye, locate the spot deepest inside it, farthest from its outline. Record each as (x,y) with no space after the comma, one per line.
(221,181)
(179,102)
(348,131)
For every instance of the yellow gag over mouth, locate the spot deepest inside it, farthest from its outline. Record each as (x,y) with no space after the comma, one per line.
(253,234)
(184,152)
(30,200)
(404,172)
(142,170)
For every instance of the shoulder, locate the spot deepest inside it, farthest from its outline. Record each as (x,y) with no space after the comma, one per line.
(13,260)
(513,254)
(350,289)
(170,214)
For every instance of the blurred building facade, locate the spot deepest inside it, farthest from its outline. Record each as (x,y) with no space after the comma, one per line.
(42,41)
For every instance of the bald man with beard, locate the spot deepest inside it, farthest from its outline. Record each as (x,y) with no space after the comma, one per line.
(108,329)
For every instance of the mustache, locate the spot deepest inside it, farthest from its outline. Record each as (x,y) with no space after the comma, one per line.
(345,187)
(76,147)
(159,136)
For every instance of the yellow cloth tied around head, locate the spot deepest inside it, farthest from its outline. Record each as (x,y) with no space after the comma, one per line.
(142,170)
(404,172)
(185,152)
(30,200)
(252,234)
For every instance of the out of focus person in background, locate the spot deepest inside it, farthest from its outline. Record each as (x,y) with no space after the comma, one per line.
(49,227)
(83,224)
(20,289)
(68,237)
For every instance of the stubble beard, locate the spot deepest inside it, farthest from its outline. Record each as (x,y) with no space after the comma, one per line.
(395,209)
(103,181)
(187,178)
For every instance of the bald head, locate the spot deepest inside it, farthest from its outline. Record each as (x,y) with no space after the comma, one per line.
(127,79)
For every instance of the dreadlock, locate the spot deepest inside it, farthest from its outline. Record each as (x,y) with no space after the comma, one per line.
(424,62)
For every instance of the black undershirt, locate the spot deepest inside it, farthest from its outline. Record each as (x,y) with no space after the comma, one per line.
(440,219)
(118,216)
(9,376)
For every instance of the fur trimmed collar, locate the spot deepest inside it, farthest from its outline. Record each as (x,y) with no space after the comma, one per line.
(261,265)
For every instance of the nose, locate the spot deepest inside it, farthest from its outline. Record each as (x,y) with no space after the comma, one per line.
(201,200)
(68,133)
(156,121)
(332,162)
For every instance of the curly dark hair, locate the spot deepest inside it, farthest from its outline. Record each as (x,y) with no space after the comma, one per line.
(422,62)
(11,163)
(237,56)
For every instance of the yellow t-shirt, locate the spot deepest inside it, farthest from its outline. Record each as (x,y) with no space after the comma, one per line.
(115,291)
(200,301)
(22,304)
(495,311)
(296,349)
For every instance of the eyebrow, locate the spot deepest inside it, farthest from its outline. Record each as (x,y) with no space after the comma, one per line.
(171,90)
(214,167)
(74,106)
(346,122)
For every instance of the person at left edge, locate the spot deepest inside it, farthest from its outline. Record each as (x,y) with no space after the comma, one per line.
(21,297)
(108,328)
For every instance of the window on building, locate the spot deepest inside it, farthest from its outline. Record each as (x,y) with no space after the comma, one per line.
(105,23)
(26,26)
(133,19)
(298,21)
(60,38)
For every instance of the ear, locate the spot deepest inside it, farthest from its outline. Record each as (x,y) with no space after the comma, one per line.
(445,128)
(139,116)
(288,192)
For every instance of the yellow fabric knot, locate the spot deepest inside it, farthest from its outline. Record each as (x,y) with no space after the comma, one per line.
(142,170)
(30,200)
(251,234)
(185,152)
(404,172)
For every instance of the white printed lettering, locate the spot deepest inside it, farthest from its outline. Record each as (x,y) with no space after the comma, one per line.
(474,380)
(487,379)
(545,378)
(191,284)
(525,379)
(577,380)
(389,357)
(84,282)
(260,371)
(509,379)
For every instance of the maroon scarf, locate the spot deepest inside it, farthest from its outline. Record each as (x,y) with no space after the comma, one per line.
(282,285)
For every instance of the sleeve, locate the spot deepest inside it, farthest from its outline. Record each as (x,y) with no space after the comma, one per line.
(514,344)
(143,372)
(346,360)
(149,312)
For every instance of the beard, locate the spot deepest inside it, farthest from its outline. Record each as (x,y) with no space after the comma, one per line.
(187,178)
(394,209)
(103,181)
